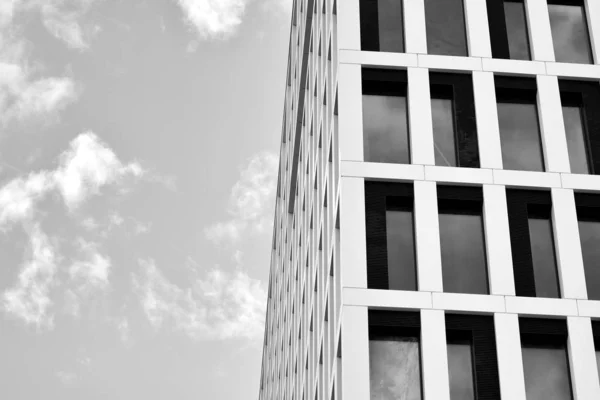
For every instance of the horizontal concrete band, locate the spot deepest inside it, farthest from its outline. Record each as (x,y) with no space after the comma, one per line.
(469,303)
(467,64)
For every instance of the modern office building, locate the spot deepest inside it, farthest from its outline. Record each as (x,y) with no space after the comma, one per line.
(437,227)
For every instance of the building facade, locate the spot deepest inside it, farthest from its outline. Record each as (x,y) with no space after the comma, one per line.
(437,224)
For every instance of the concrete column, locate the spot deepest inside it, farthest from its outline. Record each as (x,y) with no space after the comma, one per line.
(419,113)
(510,359)
(427,237)
(478,31)
(350,112)
(355,353)
(540,34)
(353,234)
(582,357)
(348,24)
(486,112)
(414,26)
(434,356)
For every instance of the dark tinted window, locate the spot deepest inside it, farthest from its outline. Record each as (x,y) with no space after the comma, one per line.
(576,139)
(542,254)
(516,29)
(589,233)
(385,129)
(463,251)
(546,372)
(445,24)
(460,370)
(520,136)
(391,32)
(401,250)
(395,371)
(570,33)
(442,111)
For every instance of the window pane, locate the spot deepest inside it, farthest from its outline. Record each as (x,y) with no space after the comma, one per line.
(391,33)
(520,137)
(463,253)
(546,373)
(395,369)
(570,34)
(589,234)
(575,140)
(442,112)
(461,371)
(542,254)
(598,361)
(385,129)
(401,250)
(445,25)
(516,29)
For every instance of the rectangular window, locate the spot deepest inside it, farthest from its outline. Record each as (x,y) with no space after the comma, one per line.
(516,29)
(445,26)
(462,240)
(569,31)
(576,139)
(596,333)
(453,120)
(588,216)
(460,369)
(402,273)
(519,126)
(395,370)
(543,255)
(382,25)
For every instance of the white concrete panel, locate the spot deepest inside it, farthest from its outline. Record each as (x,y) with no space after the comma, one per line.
(378,58)
(592,8)
(453,63)
(419,116)
(571,70)
(513,67)
(350,112)
(414,26)
(353,235)
(469,303)
(582,357)
(348,24)
(510,359)
(497,239)
(589,308)
(458,175)
(395,172)
(554,139)
(541,306)
(387,299)
(568,247)
(581,182)
(427,237)
(540,33)
(478,32)
(434,355)
(355,351)
(527,178)
(486,112)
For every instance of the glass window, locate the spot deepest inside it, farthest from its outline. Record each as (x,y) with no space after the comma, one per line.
(401,250)
(598,361)
(589,234)
(460,369)
(463,253)
(542,254)
(445,25)
(442,111)
(520,136)
(395,371)
(385,129)
(570,33)
(391,32)
(546,373)
(516,29)
(573,118)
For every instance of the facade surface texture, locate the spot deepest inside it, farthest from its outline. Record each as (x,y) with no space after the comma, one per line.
(437,225)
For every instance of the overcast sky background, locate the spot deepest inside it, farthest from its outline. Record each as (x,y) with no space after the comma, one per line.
(138,154)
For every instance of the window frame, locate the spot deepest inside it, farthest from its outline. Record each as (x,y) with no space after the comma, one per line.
(378,197)
(499,31)
(460,88)
(519,204)
(480,329)
(585,94)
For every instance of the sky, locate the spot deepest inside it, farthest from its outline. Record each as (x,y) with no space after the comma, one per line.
(138,162)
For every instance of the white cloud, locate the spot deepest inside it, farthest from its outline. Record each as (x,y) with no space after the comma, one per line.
(66,378)
(29,299)
(93,269)
(251,200)
(214,18)
(220,306)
